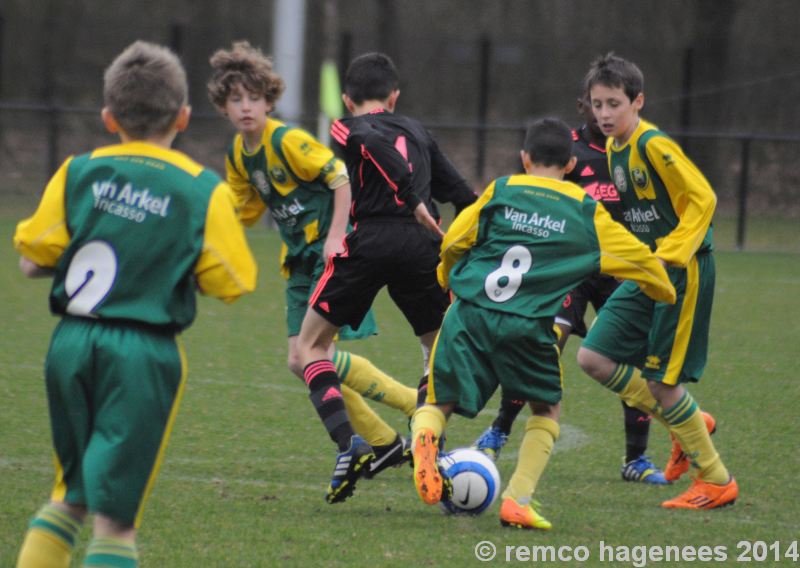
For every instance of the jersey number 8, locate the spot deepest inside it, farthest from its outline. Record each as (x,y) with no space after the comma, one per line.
(501,284)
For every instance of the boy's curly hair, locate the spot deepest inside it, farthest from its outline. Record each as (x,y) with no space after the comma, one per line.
(246,65)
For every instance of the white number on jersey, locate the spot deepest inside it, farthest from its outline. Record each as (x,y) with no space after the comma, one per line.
(501,284)
(90,276)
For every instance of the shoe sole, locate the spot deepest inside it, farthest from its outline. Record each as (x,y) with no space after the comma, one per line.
(726,504)
(348,486)
(427,478)
(522,526)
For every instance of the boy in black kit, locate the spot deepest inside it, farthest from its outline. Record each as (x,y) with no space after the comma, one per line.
(395,167)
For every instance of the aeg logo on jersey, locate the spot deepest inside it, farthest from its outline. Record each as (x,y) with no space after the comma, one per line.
(602,191)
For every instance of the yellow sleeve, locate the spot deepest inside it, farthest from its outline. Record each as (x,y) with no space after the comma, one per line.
(309,159)
(226,269)
(43,237)
(624,256)
(461,236)
(692,198)
(249,205)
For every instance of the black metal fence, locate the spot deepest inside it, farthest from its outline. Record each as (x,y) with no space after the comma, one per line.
(756,176)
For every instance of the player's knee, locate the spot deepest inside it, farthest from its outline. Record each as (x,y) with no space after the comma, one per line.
(293,361)
(591,363)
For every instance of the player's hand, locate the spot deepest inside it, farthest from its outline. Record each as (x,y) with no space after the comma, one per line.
(334,245)
(424,218)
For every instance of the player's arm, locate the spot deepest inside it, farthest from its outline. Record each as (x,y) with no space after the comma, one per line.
(249,205)
(42,238)
(225,269)
(461,236)
(447,185)
(624,256)
(692,198)
(310,160)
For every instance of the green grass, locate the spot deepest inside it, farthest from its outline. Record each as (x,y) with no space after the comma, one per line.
(245,473)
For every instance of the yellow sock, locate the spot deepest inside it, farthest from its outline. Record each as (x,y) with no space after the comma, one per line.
(428,416)
(686,422)
(49,540)
(628,383)
(365,378)
(541,434)
(366,423)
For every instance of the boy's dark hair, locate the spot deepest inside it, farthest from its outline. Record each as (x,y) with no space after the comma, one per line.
(371,77)
(145,88)
(246,65)
(548,142)
(613,71)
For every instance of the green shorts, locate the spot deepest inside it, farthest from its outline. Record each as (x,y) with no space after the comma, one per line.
(668,342)
(113,392)
(478,349)
(299,287)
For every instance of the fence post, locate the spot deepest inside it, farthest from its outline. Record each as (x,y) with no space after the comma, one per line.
(483,107)
(741,218)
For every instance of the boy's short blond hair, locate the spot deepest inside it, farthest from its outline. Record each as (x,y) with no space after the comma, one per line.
(243,65)
(145,88)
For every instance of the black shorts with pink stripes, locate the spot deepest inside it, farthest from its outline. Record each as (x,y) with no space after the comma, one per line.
(394,252)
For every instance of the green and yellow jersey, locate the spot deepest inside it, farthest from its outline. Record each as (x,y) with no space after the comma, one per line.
(529,240)
(293,175)
(132,230)
(668,202)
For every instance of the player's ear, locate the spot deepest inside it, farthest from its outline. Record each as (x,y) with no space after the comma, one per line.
(182,121)
(392,100)
(638,102)
(348,103)
(109,121)
(571,164)
(526,160)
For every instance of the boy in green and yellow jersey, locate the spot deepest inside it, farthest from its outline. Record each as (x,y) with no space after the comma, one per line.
(510,258)
(644,351)
(129,233)
(285,170)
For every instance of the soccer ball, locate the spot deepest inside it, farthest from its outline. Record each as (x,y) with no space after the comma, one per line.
(476,481)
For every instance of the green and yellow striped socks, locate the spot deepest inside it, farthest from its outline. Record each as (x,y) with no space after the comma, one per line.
(50,539)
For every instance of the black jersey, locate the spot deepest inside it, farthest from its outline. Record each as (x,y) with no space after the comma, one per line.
(591,172)
(394,164)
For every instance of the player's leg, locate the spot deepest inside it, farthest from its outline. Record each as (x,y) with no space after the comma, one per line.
(461,380)
(113,544)
(361,375)
(494,438)
(541,432)
(51,536)
(314,344)
(681,344)
(528,362)
(617,343)
(636,465)
(137,396)
(391,449)
(52,533)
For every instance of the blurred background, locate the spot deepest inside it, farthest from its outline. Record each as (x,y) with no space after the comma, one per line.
(721,76)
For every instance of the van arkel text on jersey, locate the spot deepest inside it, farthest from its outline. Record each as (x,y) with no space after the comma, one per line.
(533,223)
(128,202)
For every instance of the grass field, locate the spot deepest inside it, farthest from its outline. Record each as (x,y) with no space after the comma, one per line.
(246,470)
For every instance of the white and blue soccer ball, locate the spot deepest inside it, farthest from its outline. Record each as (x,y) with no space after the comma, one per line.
(476,481)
